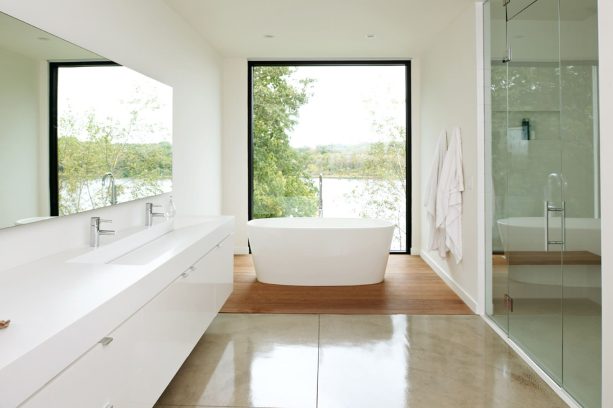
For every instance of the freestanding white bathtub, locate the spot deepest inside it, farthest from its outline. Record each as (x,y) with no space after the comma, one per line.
(320,251)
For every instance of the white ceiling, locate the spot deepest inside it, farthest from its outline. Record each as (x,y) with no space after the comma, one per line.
(24,39)
(319,28)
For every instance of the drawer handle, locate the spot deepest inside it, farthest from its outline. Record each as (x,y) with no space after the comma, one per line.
(188,271)
(106,341)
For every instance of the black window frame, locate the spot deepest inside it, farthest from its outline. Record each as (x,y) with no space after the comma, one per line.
(409,173)
(54,192)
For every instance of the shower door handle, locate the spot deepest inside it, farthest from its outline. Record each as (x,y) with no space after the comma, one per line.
(509,57)
(549,208)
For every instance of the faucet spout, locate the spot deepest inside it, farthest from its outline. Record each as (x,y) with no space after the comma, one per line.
(150,214)
(95,231)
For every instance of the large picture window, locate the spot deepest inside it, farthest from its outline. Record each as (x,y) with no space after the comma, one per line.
(331,139)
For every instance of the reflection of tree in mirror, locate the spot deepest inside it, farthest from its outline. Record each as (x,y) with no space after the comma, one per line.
(89,147)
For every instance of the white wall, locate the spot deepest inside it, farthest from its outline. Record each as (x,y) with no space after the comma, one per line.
(449,99)
(149,37)
(234,147)
(19,125)
(605,24)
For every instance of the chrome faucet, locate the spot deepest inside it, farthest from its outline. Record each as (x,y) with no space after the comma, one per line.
(149,214)
(110,176)
(95,231)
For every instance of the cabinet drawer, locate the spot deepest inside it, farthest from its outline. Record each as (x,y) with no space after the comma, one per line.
(152,345)
(145,352)
(85,383)
(216,270)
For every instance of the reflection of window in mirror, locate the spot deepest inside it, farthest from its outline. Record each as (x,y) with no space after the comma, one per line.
(110,136)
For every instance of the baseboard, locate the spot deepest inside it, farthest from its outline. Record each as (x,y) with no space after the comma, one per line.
(565,396)
(238,250)
(470,302)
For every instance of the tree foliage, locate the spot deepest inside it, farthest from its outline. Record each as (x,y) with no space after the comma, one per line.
(281,185)
(386,186)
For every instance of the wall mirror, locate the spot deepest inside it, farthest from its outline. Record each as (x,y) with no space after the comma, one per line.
(77,131)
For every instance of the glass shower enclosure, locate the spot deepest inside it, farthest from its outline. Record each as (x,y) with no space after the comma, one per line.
(542,185)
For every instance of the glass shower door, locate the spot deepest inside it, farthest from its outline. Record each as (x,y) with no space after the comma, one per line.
(543,199)
(496,161)
(532,231)
(581,301)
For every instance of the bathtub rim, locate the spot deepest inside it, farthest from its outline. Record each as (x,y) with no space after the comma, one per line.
(361,223)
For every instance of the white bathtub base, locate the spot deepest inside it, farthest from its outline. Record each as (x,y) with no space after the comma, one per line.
(324,271)
(320,251)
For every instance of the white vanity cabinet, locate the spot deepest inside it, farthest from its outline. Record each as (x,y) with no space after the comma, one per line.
(134,363)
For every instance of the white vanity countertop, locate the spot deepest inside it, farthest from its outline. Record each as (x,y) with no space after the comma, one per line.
(60,307)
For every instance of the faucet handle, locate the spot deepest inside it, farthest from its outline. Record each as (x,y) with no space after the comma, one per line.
(96,221)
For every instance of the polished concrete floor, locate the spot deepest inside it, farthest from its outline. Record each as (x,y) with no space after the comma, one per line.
(557,324)
(566,345)
(335,361)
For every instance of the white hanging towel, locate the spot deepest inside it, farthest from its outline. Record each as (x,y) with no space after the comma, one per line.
(436,235)
(449,196)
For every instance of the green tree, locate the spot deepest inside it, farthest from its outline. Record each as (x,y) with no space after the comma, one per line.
(281,183)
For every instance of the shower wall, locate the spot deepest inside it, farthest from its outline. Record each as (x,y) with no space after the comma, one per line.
(548,112)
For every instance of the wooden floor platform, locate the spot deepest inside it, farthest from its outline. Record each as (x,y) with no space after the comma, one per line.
(410,287)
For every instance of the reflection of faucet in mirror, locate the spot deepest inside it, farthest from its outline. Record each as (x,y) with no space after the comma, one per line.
(110,176)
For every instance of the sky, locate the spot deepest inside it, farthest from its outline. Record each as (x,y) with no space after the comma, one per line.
(106,89)
(345,101)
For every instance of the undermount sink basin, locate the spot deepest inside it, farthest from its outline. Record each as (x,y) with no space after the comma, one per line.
(124,243)
(140,246)
(147,253)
